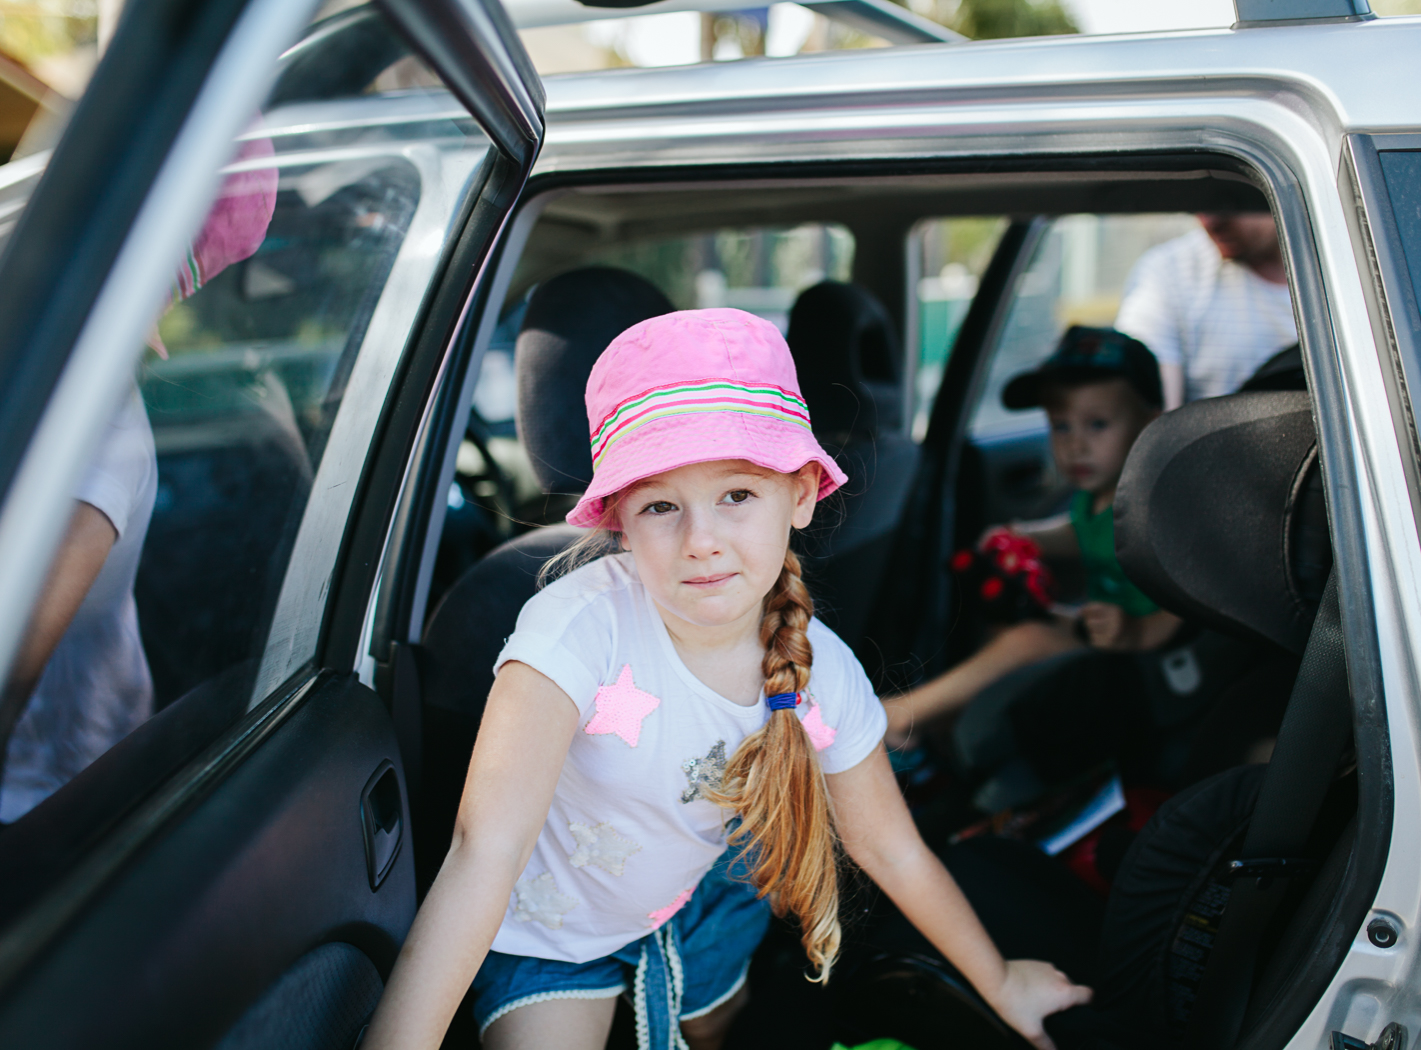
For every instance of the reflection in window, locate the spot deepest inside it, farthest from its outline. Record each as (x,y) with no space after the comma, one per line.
(277,313)
(243,405)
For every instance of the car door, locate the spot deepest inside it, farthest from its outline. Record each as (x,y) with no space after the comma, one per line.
(236,870)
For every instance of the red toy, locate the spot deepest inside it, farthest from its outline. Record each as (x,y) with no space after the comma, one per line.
(1007,575)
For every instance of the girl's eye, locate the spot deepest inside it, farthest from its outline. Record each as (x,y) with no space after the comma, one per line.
(738,495)
(1100,424)
(661,506)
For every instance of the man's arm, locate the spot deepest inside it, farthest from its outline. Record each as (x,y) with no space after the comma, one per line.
(77,563)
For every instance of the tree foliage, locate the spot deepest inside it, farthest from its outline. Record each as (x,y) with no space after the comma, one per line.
(995,19)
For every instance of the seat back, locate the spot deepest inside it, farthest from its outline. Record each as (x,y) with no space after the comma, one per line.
(569,322)
(847,355)
(1220,516)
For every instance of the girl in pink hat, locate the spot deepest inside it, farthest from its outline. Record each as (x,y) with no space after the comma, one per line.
(659,703)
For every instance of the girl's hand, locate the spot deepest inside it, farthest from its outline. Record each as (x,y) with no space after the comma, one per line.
(1031,992)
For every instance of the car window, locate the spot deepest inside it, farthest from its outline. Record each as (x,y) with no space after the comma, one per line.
(952,255)
(229,470)
(1402,171)
(1077,275)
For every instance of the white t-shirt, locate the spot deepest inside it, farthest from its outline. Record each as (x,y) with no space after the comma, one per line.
(1215,317)
(96,687)
(629,834)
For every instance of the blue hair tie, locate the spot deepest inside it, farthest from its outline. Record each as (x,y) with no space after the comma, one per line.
(783,701)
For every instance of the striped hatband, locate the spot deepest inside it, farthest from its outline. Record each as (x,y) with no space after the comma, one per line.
(703,396)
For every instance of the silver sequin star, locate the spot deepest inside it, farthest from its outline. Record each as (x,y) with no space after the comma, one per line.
(602,846)
(706,772)
(539,900)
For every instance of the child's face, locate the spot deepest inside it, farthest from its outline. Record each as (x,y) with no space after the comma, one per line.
(709,539)
(1092,429)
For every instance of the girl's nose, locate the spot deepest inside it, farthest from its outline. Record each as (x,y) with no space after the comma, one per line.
(699,537)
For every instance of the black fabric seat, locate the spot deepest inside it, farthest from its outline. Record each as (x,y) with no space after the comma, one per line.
(847,355)
(569,322)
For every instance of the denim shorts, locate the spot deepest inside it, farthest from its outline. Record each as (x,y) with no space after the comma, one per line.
(684,970)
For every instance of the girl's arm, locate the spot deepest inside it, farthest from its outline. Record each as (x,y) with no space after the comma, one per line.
(522,743)
(880,837)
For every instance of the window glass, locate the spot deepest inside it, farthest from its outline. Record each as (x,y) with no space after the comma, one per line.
(1077,276)
(228,472)
(953,255)
(1402,171)
(761,270)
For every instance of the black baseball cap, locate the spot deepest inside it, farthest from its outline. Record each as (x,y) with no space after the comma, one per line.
(1087,354)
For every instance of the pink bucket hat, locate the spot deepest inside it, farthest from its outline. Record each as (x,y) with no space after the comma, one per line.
(693,387)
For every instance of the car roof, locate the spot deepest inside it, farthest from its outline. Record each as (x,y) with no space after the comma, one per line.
(1351,70)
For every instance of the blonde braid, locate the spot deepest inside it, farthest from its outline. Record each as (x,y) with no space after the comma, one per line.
(775,785)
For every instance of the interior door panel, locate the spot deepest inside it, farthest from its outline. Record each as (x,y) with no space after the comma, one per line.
(255,876)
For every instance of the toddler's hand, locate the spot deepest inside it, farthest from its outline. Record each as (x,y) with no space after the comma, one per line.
(1032,991)
(1107,626)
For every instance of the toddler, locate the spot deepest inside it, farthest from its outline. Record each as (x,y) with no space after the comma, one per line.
(657,703)
(1100,389)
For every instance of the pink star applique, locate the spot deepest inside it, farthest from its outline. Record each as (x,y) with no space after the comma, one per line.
(661,915)
(820,735)
(620,708)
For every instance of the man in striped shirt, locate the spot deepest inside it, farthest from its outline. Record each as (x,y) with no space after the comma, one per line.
(1213,305)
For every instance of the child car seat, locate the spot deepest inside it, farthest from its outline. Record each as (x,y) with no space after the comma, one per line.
(1219,516)
(847,356)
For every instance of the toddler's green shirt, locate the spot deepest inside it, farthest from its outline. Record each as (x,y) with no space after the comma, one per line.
(1105,580)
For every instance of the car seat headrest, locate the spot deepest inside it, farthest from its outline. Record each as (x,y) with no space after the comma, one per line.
(1220,516)
(570,321)
(846,353)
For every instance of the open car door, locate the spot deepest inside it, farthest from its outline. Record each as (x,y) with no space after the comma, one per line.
(229,863)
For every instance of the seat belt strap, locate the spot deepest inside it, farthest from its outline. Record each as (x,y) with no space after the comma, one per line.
(1315,732)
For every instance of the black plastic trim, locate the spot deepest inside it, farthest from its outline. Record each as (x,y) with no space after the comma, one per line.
(1386,282)
(1260,13)
(70,232)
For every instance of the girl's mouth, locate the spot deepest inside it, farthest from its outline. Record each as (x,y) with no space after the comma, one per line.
(709,581)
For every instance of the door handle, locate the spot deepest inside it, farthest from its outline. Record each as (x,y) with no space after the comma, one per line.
(382,821)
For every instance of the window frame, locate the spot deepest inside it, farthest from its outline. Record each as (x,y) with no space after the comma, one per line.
(1278,168)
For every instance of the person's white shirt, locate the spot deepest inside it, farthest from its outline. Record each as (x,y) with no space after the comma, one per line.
(1213,318)
(630,832)
(96,687)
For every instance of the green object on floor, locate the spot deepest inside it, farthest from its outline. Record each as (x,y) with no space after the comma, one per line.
(877,1044)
